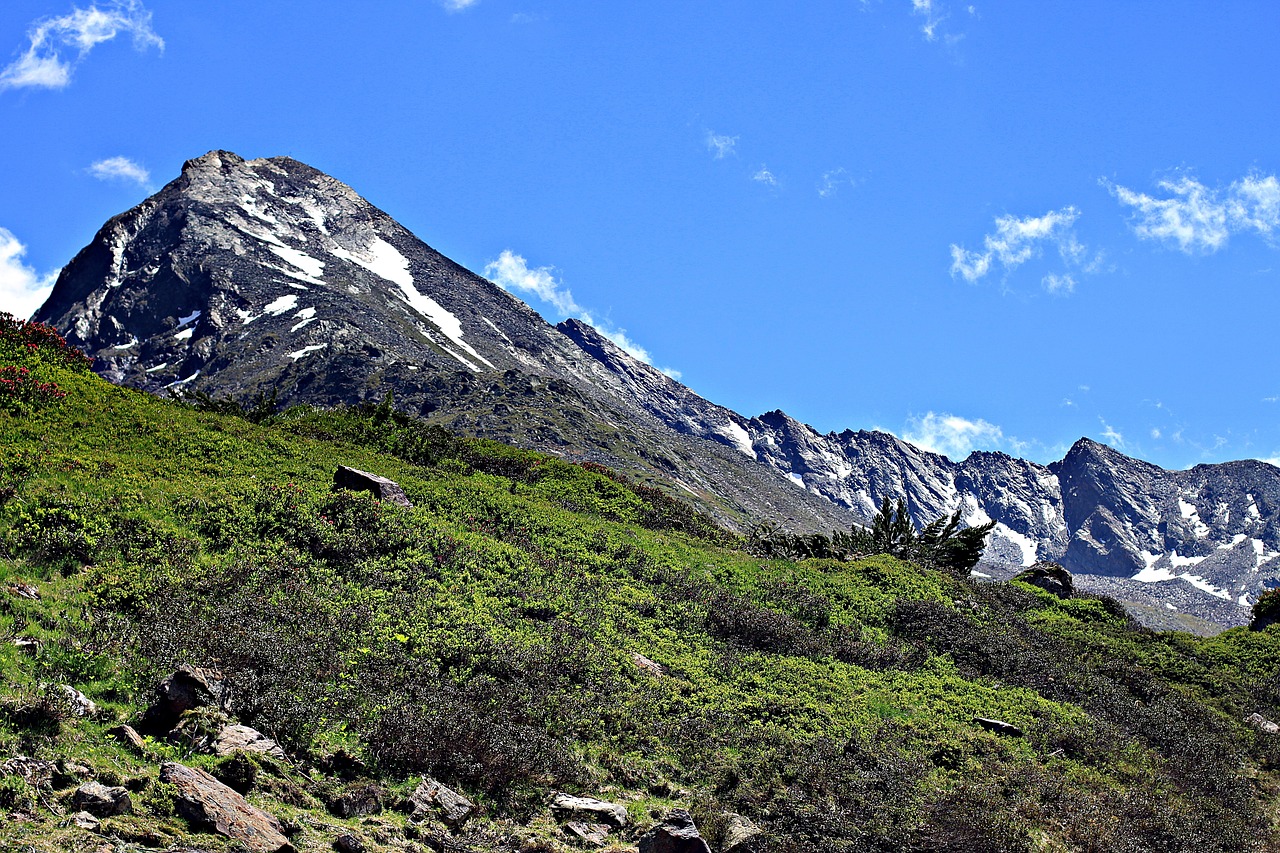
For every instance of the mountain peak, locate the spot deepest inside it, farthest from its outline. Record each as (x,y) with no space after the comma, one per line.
(216,159)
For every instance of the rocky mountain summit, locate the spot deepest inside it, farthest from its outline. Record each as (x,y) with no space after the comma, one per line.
(247,277)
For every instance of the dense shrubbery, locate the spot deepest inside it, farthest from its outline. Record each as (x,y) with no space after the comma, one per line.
(26,342)
(26,351)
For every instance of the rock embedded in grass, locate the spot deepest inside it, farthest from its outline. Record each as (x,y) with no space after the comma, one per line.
(208,804)
(676,834)
(590,809)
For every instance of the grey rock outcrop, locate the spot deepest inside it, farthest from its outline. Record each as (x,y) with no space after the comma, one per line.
(433,797)
(741,835)
(210,805)
(1050,577)
(236,737)
(676,834)
(362,481)
(187,689)
(589,810)
(1262,724)
(1000,727)
(101,801)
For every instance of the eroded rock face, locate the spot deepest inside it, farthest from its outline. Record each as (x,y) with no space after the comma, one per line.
(676,834)
(210,805)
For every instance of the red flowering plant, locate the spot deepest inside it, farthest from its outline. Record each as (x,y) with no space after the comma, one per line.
(25,349)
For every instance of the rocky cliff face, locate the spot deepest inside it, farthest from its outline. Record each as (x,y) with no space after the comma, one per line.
(242,277)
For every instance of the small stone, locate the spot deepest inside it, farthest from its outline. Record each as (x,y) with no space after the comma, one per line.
(100,801)
(1050,577)
(676,834)
(84,820)
(71,772)
(1000,727)
(237,737)
(28,645)
(649,666)
(357,801)
(594,834)
(590,809)
(348,843)
(454,809)
(80,705)
(741,835)
(1262,724)
(362,481)
(129,736)
(21,589)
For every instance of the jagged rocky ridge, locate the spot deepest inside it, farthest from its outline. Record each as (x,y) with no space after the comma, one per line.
(241,277)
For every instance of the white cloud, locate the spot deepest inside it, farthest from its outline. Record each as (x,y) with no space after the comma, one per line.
(120,169)
(1017,241)
(1055,283)
(22,290)
(721,146)
(511,272)
(458,5)
(952,435)
(1111,434)
(1200,219)
(932,17)
(832,182)
(1155,433)
(765,177)
(42,64)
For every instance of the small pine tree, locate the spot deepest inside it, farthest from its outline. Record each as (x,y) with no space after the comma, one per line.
(942,544)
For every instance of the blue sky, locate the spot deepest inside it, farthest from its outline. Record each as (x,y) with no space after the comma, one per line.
(999,225)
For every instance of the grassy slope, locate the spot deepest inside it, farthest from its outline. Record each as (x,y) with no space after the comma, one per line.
(487,635)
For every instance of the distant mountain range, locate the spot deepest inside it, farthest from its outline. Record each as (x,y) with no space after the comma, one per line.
(246,277)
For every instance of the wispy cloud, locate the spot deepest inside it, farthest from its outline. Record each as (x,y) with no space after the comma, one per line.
(832,181)
(764,176)
(952,435)
(44,65)
(721,146)
(1201,219)
(1111,434)
(1060,284)
(120,169)
(1018,240)
(22,289)
(458,5)
(933,16)
(512,273)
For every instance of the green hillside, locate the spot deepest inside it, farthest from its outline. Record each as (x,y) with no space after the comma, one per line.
(488,637)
